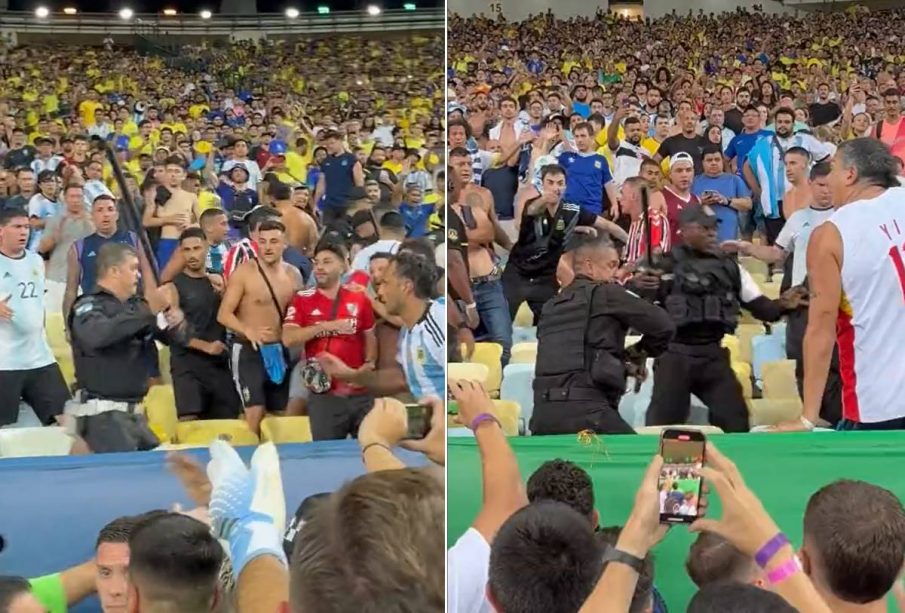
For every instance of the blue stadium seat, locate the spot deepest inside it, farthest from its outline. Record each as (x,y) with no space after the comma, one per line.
(517,386)
(766,348)
(524,335)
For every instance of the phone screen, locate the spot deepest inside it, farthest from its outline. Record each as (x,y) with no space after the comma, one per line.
(679,485)
(419,421)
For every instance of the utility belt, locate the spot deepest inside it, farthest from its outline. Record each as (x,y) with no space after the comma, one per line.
(495,275)
(565,394)
(714,349)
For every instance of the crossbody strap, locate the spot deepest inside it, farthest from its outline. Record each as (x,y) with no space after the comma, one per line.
(273,295)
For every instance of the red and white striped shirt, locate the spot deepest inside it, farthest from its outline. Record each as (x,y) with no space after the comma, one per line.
(246,249)
(636,246)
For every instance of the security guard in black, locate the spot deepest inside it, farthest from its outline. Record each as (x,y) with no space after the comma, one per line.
(581,370)
(703,290)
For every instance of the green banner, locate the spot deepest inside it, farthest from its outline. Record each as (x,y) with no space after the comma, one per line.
(783,469)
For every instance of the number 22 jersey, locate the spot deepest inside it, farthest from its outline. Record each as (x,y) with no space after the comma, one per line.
(22,339)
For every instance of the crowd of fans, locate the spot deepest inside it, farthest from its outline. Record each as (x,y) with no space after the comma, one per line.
(254,183)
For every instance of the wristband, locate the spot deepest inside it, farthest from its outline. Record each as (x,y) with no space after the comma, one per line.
(770,549)
(480,419)
(369,445)
(784,570)
(473,305)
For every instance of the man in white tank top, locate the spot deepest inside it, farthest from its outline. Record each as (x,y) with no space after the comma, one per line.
(28,369)
(856,270)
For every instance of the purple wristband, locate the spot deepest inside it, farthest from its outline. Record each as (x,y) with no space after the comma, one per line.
(769,550)
(784,570)
(477,421)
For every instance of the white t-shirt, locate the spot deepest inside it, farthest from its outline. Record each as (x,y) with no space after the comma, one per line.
(254,171)
(795,234)
(23,340)
(363,257)
(468,567)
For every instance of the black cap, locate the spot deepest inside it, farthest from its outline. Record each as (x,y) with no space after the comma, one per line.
(698,214)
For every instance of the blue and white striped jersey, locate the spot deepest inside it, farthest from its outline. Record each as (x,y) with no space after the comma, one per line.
(422,352)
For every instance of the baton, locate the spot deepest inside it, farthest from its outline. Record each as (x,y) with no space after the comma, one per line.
(648,234)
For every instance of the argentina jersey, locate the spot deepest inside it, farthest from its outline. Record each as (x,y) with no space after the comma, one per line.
(22,338)
(422,352)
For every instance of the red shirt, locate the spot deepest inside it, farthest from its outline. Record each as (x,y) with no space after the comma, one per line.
(636,247)
(246,249)
(312,306)
(674,205)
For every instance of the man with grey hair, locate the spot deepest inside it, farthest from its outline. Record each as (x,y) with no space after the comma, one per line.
(856,270)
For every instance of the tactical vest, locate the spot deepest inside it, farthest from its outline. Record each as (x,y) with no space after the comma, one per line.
(562,331)
(705,289)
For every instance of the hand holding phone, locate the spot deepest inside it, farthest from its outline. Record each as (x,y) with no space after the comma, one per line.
(680,482)
(419,421)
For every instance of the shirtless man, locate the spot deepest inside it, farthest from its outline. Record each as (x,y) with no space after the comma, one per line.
(799,196)
(476,208)
(175,215)
(301,230)
(255,315)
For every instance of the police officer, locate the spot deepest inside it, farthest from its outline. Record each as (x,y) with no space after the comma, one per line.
(546,224)
(703,290)
(110,328)
(581,365)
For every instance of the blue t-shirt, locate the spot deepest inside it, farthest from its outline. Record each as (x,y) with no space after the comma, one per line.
(581,108)
(740,146)
(727,185)
(416,218)
(586,174)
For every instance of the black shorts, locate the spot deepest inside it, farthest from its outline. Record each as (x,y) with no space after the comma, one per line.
(204,388)
(43,389)
(117,432)
(252,382)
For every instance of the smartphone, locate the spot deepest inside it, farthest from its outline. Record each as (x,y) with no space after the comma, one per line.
(419,421)
(679,486)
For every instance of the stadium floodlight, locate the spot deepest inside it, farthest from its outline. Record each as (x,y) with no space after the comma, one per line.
(126,13)
(169,12)
(292,12)
(205,14)
(42,12)
(323,10)
(70,10)
(373,10)
(409,6)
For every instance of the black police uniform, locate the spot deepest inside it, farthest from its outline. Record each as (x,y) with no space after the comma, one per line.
(580,373)
(704,298)
(530,274)
(108,347)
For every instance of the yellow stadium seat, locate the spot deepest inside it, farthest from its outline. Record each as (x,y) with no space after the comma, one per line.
(770,411)
(160,407)
(658,429)
(468,371)
(163,360)
(296,429)
(779,379)
(524,353)
(67,367)
(524,318)
(235,431)
(489,354)
(508,412)
(742,372)
(771,290)
(56,332)
(733,344)
(754,266)
(745,332)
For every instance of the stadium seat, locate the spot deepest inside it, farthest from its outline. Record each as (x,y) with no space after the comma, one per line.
(163,360)
(742,372)
(631,339)
(524,353)
(658,429)
(733,344)
(760,278)
(524,335)
(779,379)
(524,318)
(160,407)
(517,386)
(235,431)
(458,432)
(294,429)
(754,266)
(67,367)
(490,354)
(633,406)
(32,442)
(745,332)
(508,414)
(469,371)
(771,290)
(770,411)
(56,332)
(766,348)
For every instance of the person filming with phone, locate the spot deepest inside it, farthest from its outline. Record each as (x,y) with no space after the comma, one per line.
(581,361)
(703,293)
(331,319)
